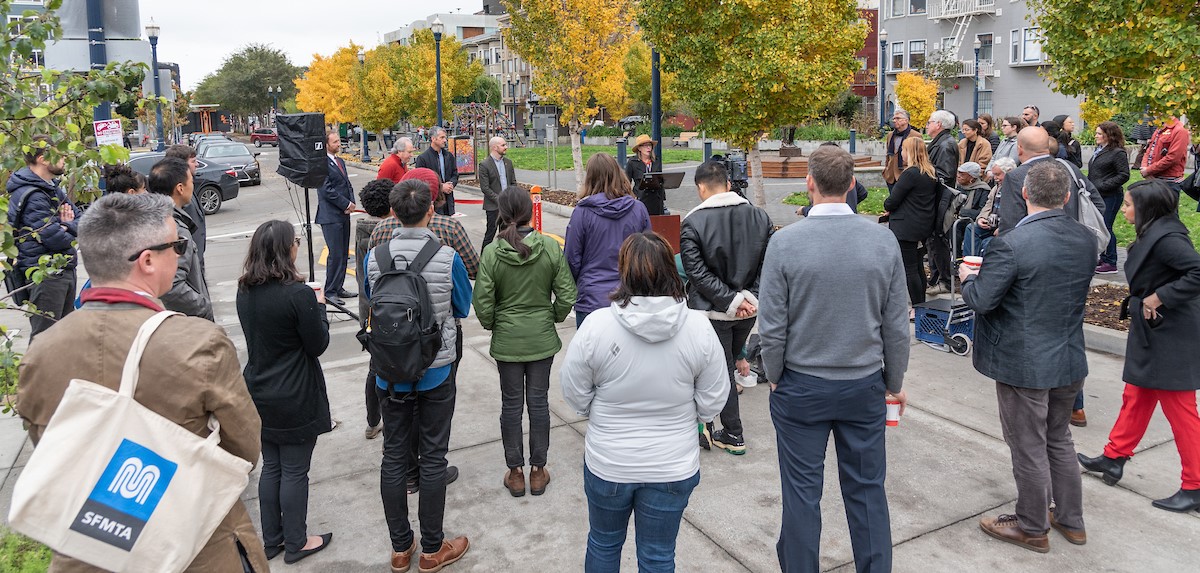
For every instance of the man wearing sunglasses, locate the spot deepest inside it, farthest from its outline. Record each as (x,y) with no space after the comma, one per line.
(189,292)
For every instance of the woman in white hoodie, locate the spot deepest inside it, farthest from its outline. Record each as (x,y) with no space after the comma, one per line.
(640,452)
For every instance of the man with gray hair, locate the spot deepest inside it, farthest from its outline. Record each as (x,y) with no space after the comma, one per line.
(396,164)
(1029,298)
(835,363)
(130,247)
(496,173)
(441,161)
(895,164)
(943,153)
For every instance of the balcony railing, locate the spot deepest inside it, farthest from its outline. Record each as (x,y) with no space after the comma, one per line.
(944,9)
(966,68)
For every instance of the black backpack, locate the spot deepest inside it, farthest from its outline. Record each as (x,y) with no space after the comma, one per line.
(401,332)
(949,202)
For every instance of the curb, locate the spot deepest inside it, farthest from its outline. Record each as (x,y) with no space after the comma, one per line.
(1106,340)
(547,206)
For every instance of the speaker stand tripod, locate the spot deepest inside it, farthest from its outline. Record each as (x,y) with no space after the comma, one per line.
(312,259)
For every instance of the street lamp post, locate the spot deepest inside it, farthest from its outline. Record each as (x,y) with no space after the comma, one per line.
(438,28)
(975,105)
(655,105)
(366,152)
(883,78)
(152,31)
(275,97)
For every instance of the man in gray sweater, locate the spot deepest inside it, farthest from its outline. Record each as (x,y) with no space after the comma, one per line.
(836,359)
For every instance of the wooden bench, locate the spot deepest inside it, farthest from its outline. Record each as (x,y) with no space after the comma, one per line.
(682,139)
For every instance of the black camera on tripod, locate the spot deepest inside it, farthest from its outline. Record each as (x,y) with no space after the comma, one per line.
(736,169)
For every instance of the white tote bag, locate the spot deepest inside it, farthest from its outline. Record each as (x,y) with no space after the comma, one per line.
(120,487)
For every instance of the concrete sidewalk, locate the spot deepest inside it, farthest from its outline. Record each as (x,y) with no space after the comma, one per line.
(948,467)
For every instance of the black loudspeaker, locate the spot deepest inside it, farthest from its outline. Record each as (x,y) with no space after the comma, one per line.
(302,157)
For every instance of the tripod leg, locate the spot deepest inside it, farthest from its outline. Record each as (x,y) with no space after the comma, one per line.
(312,261)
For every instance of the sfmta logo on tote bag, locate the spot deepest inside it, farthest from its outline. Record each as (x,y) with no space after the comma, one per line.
(125,496)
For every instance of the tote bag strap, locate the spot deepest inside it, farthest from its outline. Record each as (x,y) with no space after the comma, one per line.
(129,375)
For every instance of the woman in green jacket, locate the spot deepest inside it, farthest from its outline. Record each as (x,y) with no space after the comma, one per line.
(524,287)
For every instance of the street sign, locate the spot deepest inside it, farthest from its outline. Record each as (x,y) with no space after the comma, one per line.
(108,132)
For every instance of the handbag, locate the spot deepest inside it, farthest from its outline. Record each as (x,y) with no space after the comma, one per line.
(119,486)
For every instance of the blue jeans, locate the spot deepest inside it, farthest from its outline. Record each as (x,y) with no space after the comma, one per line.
(657,510)
(975,240)
(579,317)
(1112,206)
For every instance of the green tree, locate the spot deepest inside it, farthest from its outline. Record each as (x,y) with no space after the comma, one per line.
(637,82)
(419,80)
(577,48)
(240,85)
(63,111)
(748,66)
(485,90)
(1124,54)
(378,98)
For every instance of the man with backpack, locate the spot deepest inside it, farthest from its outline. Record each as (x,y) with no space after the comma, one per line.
(419,287)
(1033,146)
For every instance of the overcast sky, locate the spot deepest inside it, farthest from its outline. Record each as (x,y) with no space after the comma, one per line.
(200,35)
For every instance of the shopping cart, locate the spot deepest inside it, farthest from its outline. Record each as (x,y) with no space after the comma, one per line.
(947,325)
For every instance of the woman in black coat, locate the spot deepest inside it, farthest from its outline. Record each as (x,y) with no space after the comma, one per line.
(644,162)
(1108,170)
(911,208)
(286,330)
(1161,363)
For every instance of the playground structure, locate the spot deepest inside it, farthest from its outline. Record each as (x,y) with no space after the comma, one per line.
(481,121)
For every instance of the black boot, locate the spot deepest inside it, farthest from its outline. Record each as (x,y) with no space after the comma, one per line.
(1183,501)
(1110,469)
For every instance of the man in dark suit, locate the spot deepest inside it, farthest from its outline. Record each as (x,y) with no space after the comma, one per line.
(1029,298)
(496,173)
(441,161)
(1033,147)
(335,202)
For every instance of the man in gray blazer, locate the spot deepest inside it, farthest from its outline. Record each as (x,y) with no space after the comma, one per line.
(496,173)
(1029,297)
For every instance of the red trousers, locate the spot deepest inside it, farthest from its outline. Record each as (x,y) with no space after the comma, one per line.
(1137,406)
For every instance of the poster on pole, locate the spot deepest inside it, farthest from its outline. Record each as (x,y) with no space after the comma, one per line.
(464,154)
(108,132)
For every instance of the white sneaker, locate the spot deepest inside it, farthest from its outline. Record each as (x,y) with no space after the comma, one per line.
(458,215)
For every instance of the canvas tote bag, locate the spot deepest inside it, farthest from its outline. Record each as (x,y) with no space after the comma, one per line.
(120,487)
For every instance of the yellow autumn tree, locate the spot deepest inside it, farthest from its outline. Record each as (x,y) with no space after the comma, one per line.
(577,48)
(378,99)
(637,81)
(1093,113)
(327,87)
(417,77)
(917,95)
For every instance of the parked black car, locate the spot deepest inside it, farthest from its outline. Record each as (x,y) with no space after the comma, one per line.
(215,182)
(236,155)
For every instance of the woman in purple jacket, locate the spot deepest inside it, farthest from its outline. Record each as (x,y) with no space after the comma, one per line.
(607,213)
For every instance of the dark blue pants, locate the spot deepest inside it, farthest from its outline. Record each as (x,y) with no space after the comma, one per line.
(337,240)
(657,510)
(1112,207)
(283,493)
(805,409)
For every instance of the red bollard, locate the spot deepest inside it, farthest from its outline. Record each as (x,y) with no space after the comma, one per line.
(535,193)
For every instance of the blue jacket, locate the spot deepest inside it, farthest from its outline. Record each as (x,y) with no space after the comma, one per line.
(1029,297)
(335,195)
(597,228)
(52,237)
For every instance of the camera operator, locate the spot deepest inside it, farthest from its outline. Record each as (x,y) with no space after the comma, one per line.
(648,192)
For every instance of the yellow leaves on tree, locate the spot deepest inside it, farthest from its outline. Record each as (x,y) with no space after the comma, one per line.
(637,80)
(378,99)
(418,81)
(327,87)
(917,95)
(1094,113)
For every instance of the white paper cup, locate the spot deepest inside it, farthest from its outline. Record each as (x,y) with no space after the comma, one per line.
(746,381)
(318,289)
(973,263)
(893,412)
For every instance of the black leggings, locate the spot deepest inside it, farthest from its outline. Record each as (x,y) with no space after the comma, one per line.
(913,272)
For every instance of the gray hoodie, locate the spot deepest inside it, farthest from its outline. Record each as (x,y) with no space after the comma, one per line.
(643,374)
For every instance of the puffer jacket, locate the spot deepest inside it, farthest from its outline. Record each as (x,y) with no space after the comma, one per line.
(520,299)
(722,243)
(189,291)
(53,236)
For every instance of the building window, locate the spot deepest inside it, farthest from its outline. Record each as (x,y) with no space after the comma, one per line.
(897,8)
(1014,56)
(916,54)
(1031,45)
(985,101)
(985,47)
(898,56)
(917,7)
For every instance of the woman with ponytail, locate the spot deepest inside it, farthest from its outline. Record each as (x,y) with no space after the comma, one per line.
(523,288)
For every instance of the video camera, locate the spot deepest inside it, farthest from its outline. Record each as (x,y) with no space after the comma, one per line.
(735,167)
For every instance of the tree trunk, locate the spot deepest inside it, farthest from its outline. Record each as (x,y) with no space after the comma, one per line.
(577,154)
(756,180)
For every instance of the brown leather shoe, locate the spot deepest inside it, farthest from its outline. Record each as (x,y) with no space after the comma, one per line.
(1079,418)
(402,560)
(539,478)
(1074,536)
(1007,529)
(514,480)
(452,550)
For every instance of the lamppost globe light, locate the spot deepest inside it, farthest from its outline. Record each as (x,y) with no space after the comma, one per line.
(882,65)
(978,44)
(362,57)
(437,27)
(883,35)
(152,29)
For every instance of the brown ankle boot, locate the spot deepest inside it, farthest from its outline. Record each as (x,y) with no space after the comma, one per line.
(539,478)
(402,560)
(514,480)
(452,550)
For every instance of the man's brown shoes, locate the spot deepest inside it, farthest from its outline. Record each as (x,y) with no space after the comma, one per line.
(452,550)
(1074,536)
(539,478)
(514,480)
(402,560)
(1007,529)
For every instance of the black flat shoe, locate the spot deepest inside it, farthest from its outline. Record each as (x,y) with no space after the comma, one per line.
(1183,501)
(1110,469)
(290,557)
(273,552)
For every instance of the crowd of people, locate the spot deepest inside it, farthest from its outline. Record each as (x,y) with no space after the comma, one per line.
(635,301)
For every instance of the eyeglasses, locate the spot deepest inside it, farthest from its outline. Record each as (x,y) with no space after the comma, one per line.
(179,245)
(296,241)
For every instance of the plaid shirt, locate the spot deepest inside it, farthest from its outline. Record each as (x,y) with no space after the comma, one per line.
(448,231)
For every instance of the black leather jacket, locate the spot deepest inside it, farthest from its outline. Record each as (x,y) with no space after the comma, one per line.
(943,153)
(722,243)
